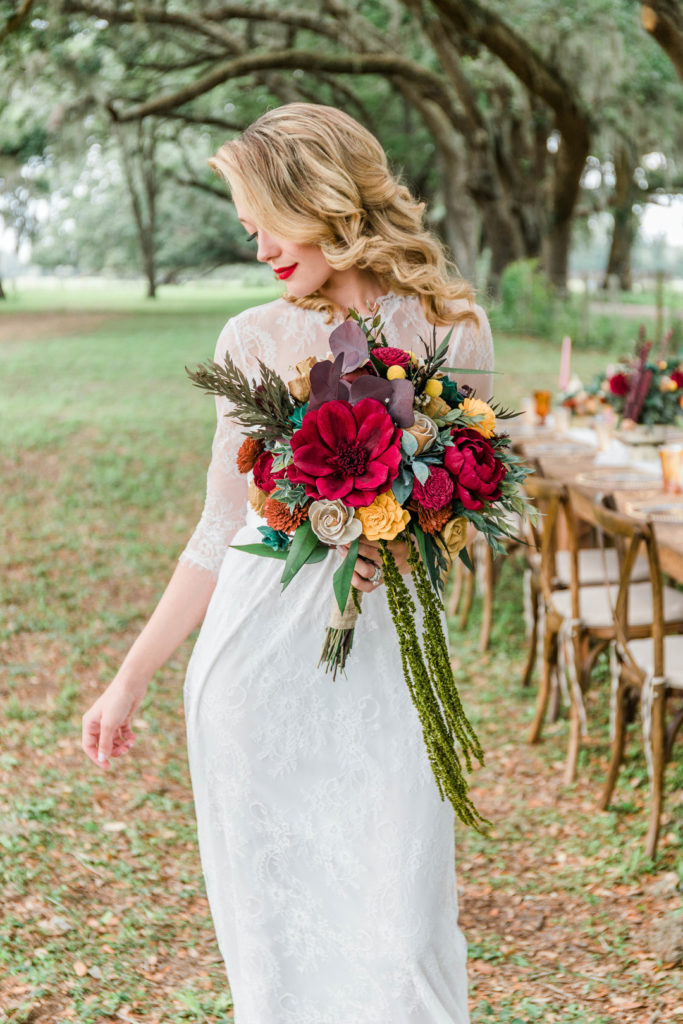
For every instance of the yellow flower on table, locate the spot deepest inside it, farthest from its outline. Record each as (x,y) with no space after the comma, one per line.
(476,407)
(384,518)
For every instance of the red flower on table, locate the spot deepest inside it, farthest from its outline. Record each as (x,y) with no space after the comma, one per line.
(619,384)
(392,356)
(350,452)
(437,490)
(264,478)
(477,474)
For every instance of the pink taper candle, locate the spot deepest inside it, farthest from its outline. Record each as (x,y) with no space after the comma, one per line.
(565,361)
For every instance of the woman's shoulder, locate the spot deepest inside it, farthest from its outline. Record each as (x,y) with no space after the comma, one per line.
(247,332)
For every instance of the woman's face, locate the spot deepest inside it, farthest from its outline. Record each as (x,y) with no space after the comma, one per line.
(303,268)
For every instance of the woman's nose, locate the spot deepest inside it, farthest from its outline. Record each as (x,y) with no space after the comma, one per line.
(268,247)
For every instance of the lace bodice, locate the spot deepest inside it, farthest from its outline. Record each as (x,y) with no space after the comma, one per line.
(281,334)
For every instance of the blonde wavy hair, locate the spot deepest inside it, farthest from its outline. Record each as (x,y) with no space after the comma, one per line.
(316,176)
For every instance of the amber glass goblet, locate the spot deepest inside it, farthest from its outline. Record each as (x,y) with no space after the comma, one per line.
(542,399)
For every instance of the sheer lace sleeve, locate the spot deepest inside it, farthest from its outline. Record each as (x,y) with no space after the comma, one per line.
(226,489)
(472,348)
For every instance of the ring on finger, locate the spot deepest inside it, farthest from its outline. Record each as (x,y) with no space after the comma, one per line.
(377,576)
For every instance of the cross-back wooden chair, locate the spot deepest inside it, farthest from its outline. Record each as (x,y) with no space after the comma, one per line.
(649,669)
(577,622)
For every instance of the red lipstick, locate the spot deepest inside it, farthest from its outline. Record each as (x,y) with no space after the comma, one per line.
(283,272)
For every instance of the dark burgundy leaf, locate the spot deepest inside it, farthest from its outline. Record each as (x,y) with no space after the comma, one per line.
(349,340)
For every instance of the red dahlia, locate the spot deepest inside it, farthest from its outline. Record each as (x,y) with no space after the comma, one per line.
(350,452)
(677,378)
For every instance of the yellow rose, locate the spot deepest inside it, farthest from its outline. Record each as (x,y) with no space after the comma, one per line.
(396,373)
(475,407)
(384,519)
(435,407)
(433,387)
(424,431)
(454,536)
(257,498)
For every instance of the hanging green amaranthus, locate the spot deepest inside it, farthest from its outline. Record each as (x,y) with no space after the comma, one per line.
(445,727)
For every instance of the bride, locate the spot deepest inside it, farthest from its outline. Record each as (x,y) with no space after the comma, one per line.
(327,852)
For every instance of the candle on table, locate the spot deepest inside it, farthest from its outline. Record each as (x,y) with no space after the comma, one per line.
(565,361)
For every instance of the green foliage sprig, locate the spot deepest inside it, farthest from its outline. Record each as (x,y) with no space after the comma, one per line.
(445,726)
(265,408)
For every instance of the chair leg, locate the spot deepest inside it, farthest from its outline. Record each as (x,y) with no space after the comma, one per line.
(458,570)
(549,663)
(467,599)
(658,761)
(533,639)
(617,752)
(574,745)
(487,601)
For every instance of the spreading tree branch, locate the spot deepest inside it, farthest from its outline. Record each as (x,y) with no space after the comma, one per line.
(663,19)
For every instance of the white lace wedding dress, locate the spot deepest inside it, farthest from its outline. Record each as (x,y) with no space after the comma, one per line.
(327,852)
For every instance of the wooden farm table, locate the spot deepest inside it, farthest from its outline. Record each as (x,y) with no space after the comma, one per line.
(669,535)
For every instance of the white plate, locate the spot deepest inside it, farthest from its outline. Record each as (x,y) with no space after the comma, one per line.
(657,511)
(614,478)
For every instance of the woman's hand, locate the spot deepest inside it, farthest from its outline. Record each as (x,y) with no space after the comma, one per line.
(107,725)
(370,556)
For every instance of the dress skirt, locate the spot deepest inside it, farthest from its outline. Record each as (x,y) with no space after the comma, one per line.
(327,851)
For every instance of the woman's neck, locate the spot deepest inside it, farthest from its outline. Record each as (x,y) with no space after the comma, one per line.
(354,289)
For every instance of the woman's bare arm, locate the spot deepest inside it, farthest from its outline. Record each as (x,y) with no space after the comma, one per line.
(107,724)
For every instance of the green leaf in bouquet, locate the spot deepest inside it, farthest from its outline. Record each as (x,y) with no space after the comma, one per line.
(421,471)
(403,484)
(341,581)
(260,549)
(464,557)
(409,443)
(304,549)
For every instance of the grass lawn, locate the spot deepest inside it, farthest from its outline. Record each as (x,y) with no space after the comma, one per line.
(103,452)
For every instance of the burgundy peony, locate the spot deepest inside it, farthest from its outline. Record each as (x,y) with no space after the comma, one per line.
(619,384)
(264,478)
(677,378)
(350,452)
(392,356)
(477,473)
(437,490)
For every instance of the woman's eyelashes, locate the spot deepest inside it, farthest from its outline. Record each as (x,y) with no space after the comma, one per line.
(250,238)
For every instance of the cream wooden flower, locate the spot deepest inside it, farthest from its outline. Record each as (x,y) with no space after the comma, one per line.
(333,522)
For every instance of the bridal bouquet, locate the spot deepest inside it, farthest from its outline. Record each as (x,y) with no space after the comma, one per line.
(379,442)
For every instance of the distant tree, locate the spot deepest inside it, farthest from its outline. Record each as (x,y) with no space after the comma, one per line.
(663,19)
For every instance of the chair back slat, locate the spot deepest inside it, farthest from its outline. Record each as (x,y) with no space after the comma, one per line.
(636,534)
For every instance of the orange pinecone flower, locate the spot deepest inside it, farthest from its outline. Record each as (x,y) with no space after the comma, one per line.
(431,520)
(278,516)
(250,449)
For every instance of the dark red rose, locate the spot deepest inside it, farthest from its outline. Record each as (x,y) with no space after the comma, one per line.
(436,492)
(392,356)
(477,473)
(264,478)
(677,378)
(619,384)
(350,452)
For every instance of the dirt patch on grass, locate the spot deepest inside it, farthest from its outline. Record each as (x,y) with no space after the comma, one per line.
(18,327)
